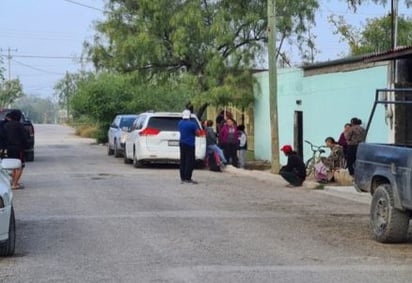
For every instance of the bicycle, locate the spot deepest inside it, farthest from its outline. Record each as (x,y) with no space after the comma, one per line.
(317,151)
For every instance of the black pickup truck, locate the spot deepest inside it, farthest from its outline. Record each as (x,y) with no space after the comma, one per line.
(29,151)
(385,170)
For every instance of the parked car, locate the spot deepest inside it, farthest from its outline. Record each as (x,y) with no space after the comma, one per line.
(154,138)
(29,151)
(7,220)
(117,133)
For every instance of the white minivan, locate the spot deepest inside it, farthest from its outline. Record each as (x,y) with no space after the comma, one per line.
(154,138)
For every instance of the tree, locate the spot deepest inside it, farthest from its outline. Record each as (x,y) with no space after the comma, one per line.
(100,96)
(10,91)
(65,89)
(37,109)
(215,42)
(375,36)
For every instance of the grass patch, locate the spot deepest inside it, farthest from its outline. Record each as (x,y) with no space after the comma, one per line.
(319,187)
(86,131)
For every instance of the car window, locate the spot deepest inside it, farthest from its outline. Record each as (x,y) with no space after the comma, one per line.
(127,122)
(166,123)
(3,114)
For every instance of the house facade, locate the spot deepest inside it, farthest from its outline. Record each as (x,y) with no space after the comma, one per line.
(315,102)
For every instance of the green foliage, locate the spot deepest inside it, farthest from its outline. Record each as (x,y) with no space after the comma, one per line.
(212,41)
(375,36)
(10,91)
(100,97)
(37,109)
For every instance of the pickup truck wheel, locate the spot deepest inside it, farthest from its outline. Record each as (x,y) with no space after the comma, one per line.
(388,224)
(7,248)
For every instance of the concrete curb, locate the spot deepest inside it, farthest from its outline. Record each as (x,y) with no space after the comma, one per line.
(345,192)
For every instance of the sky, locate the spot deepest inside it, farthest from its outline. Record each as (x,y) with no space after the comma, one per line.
(45,36)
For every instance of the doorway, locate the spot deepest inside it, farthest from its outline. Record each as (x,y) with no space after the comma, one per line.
(298,133)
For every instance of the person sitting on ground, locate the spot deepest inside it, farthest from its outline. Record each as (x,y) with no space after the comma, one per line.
(336,158)
(294,172)
(211,143)
(325,169)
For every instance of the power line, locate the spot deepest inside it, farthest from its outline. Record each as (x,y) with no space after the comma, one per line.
(84,5)
(37,69)
(44,57)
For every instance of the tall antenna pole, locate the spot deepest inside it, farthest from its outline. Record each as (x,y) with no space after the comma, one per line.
(273,102)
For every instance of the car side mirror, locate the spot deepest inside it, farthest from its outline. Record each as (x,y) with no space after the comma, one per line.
(114,126)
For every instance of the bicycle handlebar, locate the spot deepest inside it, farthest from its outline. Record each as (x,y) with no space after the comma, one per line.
(315,147)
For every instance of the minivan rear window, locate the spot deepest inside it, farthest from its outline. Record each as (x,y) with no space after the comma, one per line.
(166,123)
(127,122)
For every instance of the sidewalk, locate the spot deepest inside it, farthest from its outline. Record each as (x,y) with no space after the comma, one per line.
(345,192)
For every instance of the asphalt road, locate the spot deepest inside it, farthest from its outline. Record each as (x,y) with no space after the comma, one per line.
(87,217)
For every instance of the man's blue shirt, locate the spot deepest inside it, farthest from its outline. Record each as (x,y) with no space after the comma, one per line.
(187,129)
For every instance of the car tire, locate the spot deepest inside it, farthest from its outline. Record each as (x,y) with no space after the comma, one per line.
(136,163)
(7,248)
(116,150)
(109,150)
(29,156)
(388,224)
(127,160)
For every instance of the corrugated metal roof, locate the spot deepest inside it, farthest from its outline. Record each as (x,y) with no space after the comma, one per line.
(398,53)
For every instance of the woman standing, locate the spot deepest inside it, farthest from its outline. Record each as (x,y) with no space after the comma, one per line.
(228,141)
(356,135)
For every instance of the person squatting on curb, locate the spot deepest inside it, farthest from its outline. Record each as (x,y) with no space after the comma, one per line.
(294,172)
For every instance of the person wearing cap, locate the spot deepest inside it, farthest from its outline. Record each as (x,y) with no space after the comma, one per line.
(188,131)
(294,172)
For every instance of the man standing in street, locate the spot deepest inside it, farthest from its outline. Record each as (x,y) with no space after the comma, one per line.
(188,131)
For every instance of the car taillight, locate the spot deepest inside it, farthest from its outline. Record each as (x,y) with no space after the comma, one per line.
(31,131)
(149,132)
(201,133)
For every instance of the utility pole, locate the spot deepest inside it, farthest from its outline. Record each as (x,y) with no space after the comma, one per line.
(9,57)
(273,101)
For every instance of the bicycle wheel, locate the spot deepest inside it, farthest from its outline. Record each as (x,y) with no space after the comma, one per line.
(310,166)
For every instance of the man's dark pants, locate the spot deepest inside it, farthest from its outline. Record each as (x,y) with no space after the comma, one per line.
(291,177)
(187,161)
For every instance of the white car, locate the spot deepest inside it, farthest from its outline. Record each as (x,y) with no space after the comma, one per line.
(117,133)
(7,221)
(154,138)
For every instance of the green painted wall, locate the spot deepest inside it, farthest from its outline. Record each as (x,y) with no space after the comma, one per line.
(328,101)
